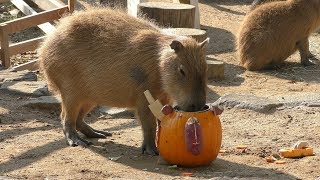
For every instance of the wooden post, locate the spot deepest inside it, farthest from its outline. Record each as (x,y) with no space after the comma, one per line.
(169,14)
(198,34)
(5,57)
(197,13)
(71,5)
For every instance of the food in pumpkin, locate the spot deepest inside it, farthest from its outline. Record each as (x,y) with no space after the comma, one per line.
(193,136)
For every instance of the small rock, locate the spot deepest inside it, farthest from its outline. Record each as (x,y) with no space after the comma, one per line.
(145,169)
(8,76)
(173,167)
(114,158)
(44,102)
(31,88)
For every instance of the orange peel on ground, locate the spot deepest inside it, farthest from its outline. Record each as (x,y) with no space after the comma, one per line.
(295,153)
(280,162)
(241,147)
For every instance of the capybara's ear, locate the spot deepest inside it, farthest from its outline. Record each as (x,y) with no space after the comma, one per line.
(176,45)
(204,43)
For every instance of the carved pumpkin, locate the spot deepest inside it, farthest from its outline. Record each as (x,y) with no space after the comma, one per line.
(189,138)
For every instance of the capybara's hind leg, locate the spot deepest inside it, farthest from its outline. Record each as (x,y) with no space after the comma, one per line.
(303,47)
(148,123)
(69,116)
(84,128)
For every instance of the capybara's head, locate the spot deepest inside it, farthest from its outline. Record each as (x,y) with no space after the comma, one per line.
(184,73)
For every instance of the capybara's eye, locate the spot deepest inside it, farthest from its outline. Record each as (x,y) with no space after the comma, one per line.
(182,72)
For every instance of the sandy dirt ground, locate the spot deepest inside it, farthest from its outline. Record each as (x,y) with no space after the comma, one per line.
(32,145)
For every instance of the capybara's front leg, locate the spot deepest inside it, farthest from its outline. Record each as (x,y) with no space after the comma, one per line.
(303,47)
(148,123)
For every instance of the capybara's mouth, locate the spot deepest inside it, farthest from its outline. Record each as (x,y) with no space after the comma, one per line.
(205,108)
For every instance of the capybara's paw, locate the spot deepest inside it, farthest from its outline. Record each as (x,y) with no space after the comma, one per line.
(77,141)
(150,149)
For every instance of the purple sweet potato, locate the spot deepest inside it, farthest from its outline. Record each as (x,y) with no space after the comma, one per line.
(193,136)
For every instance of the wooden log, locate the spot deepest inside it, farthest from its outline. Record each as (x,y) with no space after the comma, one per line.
(215,69)
(27,10)
(28,45)
(32,20)
(45,5)
(31,66)
(4,37)
(169,14)
(198,34)
(71,5)
(197,13)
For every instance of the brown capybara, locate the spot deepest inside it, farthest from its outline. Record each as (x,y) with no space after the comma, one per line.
(275,30)
(106,57)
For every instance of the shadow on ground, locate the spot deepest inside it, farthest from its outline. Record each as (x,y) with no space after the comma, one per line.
(219,168)
(221,40)
(295,72)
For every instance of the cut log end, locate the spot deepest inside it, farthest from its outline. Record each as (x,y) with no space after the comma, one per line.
(169,14)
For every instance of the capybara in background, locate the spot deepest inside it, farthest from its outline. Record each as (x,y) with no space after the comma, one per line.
(106,57)
(275,30)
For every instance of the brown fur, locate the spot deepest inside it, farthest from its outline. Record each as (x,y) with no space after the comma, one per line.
(105,57)
(274,31)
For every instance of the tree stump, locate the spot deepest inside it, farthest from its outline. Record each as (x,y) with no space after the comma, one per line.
(215,69)
(169,14)
(197,13)
(198,34)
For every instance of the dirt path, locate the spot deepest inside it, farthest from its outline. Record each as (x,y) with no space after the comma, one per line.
(32,144)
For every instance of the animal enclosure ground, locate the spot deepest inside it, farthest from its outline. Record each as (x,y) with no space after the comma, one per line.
(32,144)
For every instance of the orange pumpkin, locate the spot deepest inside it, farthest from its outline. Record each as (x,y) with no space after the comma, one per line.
(189,138)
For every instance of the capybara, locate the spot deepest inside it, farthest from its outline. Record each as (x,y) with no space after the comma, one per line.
(275,30)
(106,57)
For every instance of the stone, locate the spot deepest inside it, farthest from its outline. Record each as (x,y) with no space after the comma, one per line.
(30,88)
(44,102)
(301,99)
(116,113)
(245,101)
(8,76)
(215,69)
(265,105)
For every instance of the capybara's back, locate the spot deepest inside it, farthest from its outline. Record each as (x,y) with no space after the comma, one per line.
(275,30)
(87,45)
(106,57)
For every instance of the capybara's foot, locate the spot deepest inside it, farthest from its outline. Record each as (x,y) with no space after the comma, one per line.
(73,139)
(90,132)
(150,148)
